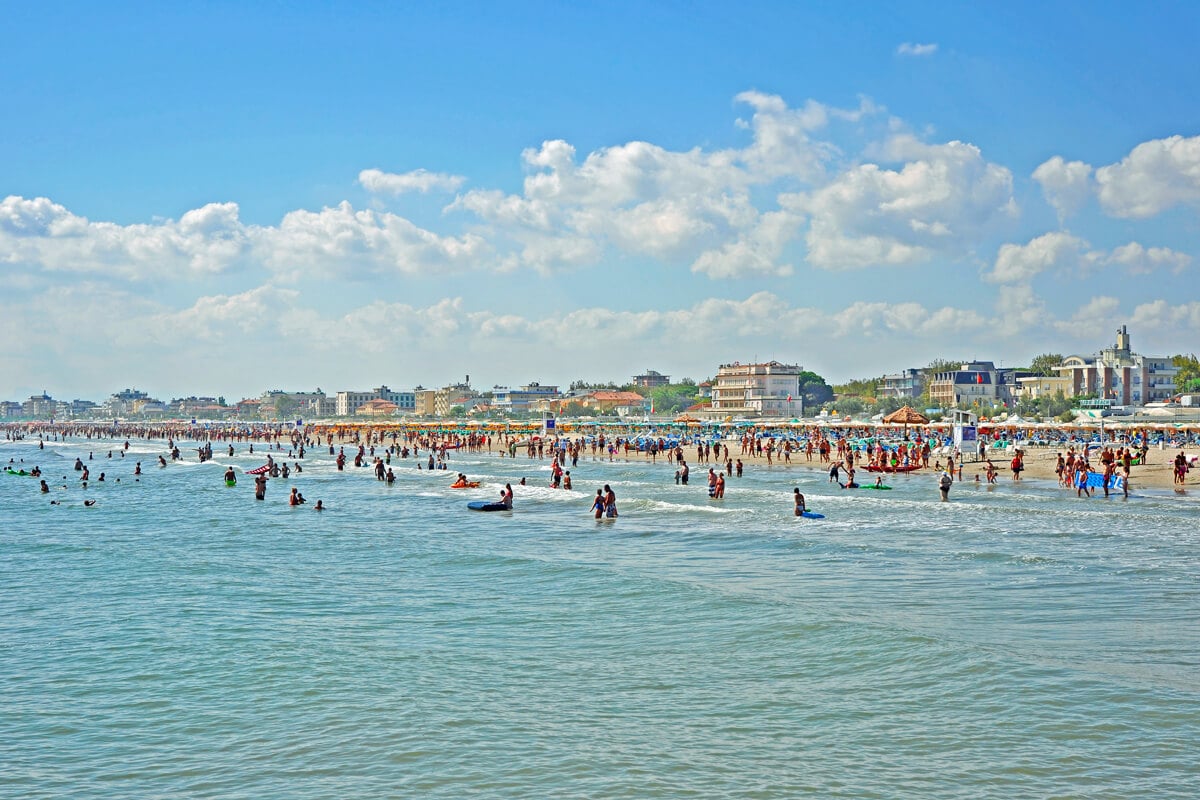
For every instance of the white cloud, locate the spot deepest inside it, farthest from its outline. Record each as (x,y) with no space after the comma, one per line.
(639,199)
(1062,252)
(755,251)
(938,201)
(39,232)
(419,180)
(1155,176)
(1067,185)
(1141,260)
(1092,319)
(913,49)
(343,241)
(1056,251)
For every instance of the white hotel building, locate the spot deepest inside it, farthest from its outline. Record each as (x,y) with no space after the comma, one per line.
(771,389)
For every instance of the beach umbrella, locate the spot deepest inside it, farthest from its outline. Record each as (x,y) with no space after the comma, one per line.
(906,416)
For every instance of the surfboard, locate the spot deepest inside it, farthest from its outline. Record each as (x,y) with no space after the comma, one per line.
(812,515)
(873,486)
(482,505)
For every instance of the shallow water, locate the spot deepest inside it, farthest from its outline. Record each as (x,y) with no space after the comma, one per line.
(181,639)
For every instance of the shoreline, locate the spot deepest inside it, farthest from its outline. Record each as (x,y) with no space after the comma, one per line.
(1039,463)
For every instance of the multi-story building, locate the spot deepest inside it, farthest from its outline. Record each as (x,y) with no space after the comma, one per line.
(905,384)
(425,402)
(650,379)
(39,406)
(526,398)
(1038,386)
(975,383)
(770,389)
(349,402)
(456,394)
(8,408)
(121,403)
(1120,375)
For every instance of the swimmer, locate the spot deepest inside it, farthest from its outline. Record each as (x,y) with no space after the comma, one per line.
(798,500)
(598,504)
(45,488)
(567,480)
(230,476)
(89,503)
(944,484)
(319,506)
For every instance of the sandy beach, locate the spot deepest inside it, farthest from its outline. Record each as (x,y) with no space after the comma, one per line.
(1156,473)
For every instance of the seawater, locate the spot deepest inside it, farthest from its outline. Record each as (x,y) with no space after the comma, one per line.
(180,639)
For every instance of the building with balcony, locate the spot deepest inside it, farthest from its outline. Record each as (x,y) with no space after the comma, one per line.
(526,398)
(348,402)
(903,385)
(1118,374)
(975,383)
(650,379)
(769,389)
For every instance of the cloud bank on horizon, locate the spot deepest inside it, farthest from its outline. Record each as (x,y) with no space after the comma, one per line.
(844,238)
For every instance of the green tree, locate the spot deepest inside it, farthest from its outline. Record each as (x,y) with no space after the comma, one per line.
(1188,377)
(673,397)
(285,406)
(1045,364)
(458,411)
(814,389)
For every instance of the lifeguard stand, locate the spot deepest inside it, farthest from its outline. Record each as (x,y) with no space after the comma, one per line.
(966,433)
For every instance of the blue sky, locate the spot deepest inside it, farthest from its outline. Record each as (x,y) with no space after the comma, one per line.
(215,199)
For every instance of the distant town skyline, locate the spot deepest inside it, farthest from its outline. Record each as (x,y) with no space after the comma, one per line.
(213,199)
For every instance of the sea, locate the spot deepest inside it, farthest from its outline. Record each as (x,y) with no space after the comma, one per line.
(179,639)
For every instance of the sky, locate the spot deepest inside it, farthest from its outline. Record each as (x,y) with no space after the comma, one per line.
(224,198)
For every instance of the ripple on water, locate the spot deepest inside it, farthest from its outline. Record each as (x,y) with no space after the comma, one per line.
(181,639)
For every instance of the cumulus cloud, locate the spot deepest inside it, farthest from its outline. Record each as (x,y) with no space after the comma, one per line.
(1063,253)
(913,49)
(938,201)
(1092,319)
(343,241)
(641,199)
(1056,251)
(1140,260)
(39,232)
(419,180)
(1067,185)
(1155,176)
